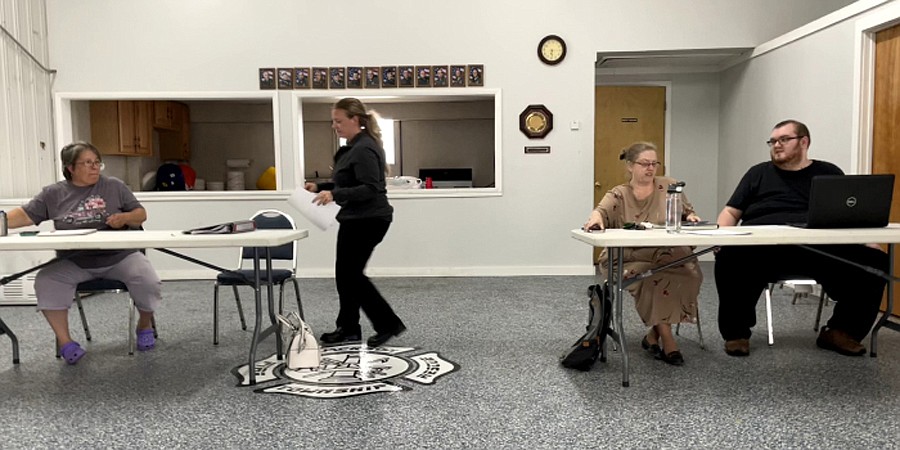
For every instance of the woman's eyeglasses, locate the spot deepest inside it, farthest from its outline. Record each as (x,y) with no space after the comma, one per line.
(648,164)
(91,164)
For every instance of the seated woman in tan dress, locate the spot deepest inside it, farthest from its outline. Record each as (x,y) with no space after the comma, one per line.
(669,296)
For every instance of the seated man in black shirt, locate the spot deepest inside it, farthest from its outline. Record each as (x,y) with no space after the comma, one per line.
(776,192)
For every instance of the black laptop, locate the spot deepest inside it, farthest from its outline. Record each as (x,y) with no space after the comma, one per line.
(849,201)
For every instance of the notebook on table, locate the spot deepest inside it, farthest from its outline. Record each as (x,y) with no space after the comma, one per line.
(849,201)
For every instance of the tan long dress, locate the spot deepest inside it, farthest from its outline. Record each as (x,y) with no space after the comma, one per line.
(669,296)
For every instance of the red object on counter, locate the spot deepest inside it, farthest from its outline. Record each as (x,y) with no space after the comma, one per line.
(428,183)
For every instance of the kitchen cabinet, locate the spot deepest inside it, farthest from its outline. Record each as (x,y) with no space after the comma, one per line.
(123,128)
(167,115)
(176,144)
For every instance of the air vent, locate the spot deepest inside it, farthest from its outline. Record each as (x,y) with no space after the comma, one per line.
(18,292)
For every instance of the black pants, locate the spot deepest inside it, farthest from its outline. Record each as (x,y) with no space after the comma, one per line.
(743,272)
(355,242)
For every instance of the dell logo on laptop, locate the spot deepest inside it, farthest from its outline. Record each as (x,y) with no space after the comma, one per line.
(851,201)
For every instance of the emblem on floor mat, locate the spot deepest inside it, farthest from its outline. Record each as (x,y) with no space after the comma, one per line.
(349,370)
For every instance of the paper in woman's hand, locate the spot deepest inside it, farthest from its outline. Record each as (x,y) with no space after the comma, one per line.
(322,216)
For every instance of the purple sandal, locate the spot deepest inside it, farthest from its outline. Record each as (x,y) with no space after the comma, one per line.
(71,352)
(145,339)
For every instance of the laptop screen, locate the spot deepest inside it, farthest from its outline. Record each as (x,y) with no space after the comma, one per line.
(850,201)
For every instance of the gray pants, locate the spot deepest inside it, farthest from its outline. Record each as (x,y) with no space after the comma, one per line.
(55,284)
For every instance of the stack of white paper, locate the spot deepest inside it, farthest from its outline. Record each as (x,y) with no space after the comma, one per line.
(321,216)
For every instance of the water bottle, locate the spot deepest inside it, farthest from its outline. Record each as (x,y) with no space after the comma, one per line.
(4,226)
(674,207)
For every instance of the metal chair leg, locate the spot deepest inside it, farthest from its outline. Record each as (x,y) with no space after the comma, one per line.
(237,299)
(216,314)
(769,314)
(132,328)
(700,330)
(84,323)
(822,301)
(299,303)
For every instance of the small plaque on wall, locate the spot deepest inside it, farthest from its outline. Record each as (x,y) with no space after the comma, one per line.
(537,149)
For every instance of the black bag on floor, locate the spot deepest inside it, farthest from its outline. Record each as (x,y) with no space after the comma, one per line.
(584,353)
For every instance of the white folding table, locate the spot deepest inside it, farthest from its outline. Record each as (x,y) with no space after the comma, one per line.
(616,240)
(163,241)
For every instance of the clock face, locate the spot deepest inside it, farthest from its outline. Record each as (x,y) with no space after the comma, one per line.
(552,50)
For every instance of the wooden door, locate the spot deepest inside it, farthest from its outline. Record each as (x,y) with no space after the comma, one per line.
(886,128)
(623,115)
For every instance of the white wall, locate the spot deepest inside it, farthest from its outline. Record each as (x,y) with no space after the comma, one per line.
(810,80)
(209,46)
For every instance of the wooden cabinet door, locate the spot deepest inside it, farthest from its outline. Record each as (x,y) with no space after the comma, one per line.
(135,129)
(167,115)
(176,145)
(143,128)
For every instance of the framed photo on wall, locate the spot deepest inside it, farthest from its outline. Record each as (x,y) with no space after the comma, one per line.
(285,78)
(319,78)
(301,77)
(267,78)
(373,77)
(406,76)
(476,75)
(336,80)
(354,77)
(423,76)
(389,76)
(457,76)
(440,76)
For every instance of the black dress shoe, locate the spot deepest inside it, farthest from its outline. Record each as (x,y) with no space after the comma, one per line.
(381,338)
(652,349)
(341,335)
(674,358)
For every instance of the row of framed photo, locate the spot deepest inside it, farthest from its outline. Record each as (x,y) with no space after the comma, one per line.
(371,77)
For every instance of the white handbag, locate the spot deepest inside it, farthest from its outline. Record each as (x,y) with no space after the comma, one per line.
(302,351)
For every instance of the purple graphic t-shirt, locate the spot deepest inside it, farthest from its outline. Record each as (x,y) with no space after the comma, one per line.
(72,207)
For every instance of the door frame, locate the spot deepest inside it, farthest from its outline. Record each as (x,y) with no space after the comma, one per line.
(864,84)
(610,81)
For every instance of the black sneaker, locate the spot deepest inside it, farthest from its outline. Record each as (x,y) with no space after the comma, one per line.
(341,335)
(381,338)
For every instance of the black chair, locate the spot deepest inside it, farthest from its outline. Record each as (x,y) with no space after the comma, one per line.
(101,286)
(264,219)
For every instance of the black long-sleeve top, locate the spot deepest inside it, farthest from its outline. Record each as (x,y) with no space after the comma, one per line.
(358,181)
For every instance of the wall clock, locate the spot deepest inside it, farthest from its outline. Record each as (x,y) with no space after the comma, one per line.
(536,121)
(552,50)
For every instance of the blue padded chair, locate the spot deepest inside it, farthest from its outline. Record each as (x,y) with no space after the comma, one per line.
(285,254)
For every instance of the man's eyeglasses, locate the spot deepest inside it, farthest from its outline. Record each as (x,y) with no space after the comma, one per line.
(91,164)
(648,164)
(782,140)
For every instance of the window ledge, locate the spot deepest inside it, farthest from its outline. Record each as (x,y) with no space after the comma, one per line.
(191,196)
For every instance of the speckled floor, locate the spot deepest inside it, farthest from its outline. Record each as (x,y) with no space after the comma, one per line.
(510,392)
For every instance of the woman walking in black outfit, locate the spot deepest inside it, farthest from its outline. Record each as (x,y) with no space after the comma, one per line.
(358,186)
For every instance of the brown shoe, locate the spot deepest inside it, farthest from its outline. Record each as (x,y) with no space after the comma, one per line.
(738,347)
(841,342)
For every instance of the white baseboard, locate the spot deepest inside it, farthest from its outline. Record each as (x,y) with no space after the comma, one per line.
(488,271)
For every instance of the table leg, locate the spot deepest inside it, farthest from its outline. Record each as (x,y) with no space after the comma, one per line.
(4,329)
(616,260)
(279,352)
(257,296)
(890,306)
